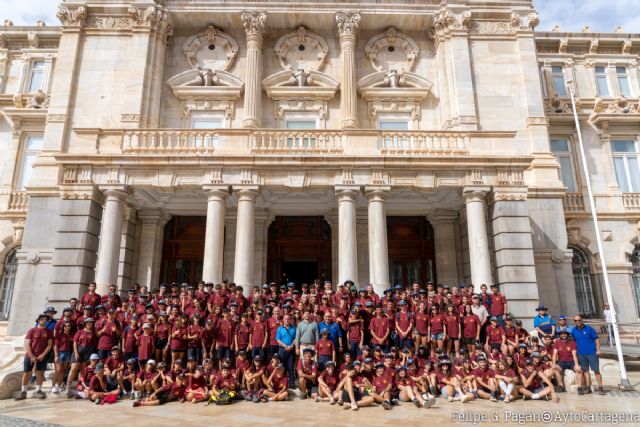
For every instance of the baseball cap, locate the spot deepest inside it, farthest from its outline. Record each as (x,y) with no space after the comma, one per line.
(99,368)
(94,356)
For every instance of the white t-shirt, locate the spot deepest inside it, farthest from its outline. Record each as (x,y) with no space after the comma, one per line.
(607,315)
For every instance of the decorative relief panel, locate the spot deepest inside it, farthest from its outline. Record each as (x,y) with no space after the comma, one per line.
(301,50)
(211,49)
(392,50)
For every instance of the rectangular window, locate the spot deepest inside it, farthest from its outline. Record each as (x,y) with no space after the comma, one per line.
(391,123)
(300,122)
(33,145)
(560,149)
(625,160)
(602,82)
(557,74)
(205,120)
(36,78)
(623,82)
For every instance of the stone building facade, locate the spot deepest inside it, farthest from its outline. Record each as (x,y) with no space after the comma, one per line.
(382,142)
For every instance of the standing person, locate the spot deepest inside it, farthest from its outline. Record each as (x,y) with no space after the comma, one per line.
(259,336)
(404,323)
(38,343)
(499,306)
(84,344)
(588,344)
(481,311)
(607,314)
(380,329)
(335,331)
(63,346)
(355,332)
(285,337)
(544,323)
(306,333)
(91,298)
(470,329)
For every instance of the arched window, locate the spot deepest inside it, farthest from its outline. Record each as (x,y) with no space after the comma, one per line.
(582,282)
(635,262)
(7,282)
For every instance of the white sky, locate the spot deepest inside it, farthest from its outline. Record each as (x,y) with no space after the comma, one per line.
(571,15)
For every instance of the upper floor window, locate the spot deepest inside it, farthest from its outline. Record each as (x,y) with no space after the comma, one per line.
(391,122)
(625,160)
(557,75)
(36,77)
(623,81)
(602,81)
(206,120)
(33,145)
(562,152)
(300,121)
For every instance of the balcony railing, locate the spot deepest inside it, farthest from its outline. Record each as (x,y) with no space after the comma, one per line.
(423,143)
(168,141)
(272,141)
(18,201)
(631,201)
(574,202)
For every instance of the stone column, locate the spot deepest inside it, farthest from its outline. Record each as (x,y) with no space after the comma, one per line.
(378,249)
(245,236)
(347,243)
(347,29)
(214,236)
(150,248)
(110,235)
(445,242)
(478,239)
(254,26)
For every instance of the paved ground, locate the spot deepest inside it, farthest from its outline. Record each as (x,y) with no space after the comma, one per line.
(60,411)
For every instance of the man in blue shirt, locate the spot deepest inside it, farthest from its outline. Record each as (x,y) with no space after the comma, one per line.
(588,344)
(335,333)
(543,323)
(285,337)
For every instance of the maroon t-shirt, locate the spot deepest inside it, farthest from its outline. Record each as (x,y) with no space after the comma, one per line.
(146,346)
(179,342)
(453,323)
(497,304)
(92,300)
(324,347)
(470,324)
(484,375)
(95,385)
(242,335)
(422,323)
(565,349)
(379,326)
(355,331)
(380,383)
(40,338)
(331,380)
(258,331)
(86,338)
(273,324)
(109,337)
(495,334)
(225,382)
(437,324)
(225,333)
(64,342)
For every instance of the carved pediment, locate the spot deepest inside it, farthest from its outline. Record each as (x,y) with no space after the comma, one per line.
(289,84)
(392,50)
(394,84)
(212,48)
(301,50)
(206,83)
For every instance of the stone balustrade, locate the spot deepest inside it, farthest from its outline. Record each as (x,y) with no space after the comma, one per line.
(17,201)
(631,201)
(170,141)
(574,202)
(270,141)
(423,143)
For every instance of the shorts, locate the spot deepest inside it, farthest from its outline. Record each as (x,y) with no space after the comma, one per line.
(356,394)
(469,341)
(41,365)
(437,337)
(566,364)
(64,356)
(538,390)
(224,353)
(112,383)
(104,354)
(496,345)
(84,354)
(589,361)
(443,393)
(163,397)
(161,343)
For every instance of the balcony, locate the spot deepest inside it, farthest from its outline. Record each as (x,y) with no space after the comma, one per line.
(16,204)
(574,202)
(631,201)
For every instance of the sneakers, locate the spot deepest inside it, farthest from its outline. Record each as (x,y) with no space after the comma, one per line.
(561,389)
(303,396)
(581,391)
(430,402)
(340,402)
(55,389)
(96,402)
(354,406)
(395,402)
(588,390)
(386,404)
(493,398)
(21,396)
(466,398)
(507,398)
(417,403)
(332,401)
(39,394)
(255,398)
(346,407)
(318,399)
(601,391)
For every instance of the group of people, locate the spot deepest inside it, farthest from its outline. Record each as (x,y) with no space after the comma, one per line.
(349,346)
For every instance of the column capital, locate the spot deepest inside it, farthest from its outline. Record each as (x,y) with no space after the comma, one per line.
(254,22)
(153,216)
(348,23)
(475,194)
(119,192)
(246,192)
(347,192)
(216,191)
(377,193)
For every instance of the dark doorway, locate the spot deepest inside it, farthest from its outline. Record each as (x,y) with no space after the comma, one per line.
(412,256)
(299,249)
(299,271)
(183,249)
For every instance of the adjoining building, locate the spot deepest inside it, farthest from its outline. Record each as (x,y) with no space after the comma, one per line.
(383,142)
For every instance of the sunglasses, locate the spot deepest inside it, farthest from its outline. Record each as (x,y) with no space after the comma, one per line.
(577,320)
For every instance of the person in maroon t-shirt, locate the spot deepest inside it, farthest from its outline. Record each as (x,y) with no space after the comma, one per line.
(380,328)
(38,343)
(496,337)
(91,298)
(307,372)
(328,384)
(63,348)
(564,356)
(146,343)
(108,331)
(452,329)
(197,390)
(171,391)
(421,325)
(404,322)
(259,336)
(485,378)
(381,385)
(498,304)
(242,334)
(436,329)
(535,384)
(507,381)
(277,385)
(84,344)
(470,329)
(178,339)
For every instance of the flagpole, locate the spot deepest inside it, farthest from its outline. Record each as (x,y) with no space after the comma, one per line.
(624,380)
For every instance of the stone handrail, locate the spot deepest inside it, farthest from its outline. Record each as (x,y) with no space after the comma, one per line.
(631,201)
(574,202)
(422,143)
(169,140)
(283,141)
(18,201)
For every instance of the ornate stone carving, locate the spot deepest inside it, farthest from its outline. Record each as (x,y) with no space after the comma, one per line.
(301,50)
(533,20)
(8,23)
(557,105)
(33,40)
(537,121)
(573,232)
(71,17)
(37,100)
(392,51)
(56,118)
(18,230)
(254,23)
(149,16)
(493,27)
(616,106)
(109,22)
(211,49)
(347,24)
(129,117)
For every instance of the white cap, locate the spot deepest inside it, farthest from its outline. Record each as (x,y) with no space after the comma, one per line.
(151,362)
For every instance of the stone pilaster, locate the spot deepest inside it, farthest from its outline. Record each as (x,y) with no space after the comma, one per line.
(152,222)
(254,26)
(245,236)
(513,251)
(110,236)
(446,249)
(378,247)
(348,23)
(347,238)
(214,236)
(479,257)
(127,244)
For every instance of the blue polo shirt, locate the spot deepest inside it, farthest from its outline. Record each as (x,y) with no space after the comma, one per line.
(585,339)
(543,322)
(286,335)
(334,331)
